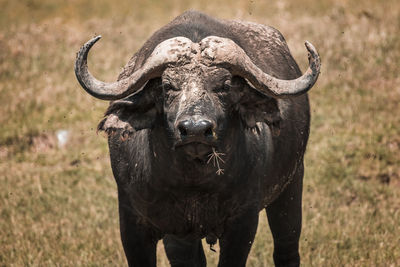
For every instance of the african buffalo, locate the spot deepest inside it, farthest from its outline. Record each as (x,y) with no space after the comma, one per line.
(208,126)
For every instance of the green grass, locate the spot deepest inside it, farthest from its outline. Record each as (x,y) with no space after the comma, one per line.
(58,206)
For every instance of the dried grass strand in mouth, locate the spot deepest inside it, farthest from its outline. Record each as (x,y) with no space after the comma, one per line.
(215,157)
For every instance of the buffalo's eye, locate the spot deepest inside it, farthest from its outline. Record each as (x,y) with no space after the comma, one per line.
(226,86)
(168,86)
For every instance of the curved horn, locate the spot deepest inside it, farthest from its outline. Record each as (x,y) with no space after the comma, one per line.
(226,53)
(168,52)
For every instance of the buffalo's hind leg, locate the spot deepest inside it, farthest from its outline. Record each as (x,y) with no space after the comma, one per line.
(184,252)
(284,218)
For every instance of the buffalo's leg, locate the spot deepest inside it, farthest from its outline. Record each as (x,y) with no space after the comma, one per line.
(238,237)
(139,242)
(284,218)
(184,252)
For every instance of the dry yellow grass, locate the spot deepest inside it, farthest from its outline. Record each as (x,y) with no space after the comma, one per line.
(58,206)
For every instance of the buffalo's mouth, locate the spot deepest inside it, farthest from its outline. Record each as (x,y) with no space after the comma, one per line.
(197,151)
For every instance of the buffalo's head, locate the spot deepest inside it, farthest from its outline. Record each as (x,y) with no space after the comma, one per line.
(194,88)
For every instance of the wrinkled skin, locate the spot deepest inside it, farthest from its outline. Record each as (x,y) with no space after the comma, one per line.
(196,92)
(163,141)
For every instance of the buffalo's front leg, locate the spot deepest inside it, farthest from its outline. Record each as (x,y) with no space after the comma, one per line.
(184,252)
(235,244)
(284,217)
(139,241)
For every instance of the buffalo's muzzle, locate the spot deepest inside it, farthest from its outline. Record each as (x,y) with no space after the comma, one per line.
(196,129)
(196,136)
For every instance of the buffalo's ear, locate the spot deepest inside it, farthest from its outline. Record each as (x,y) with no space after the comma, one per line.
(255,107)
(133,113)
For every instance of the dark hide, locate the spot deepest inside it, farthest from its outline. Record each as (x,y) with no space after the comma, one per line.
(164,193)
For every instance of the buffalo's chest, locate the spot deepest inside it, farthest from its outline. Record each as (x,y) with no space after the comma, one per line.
(196,216)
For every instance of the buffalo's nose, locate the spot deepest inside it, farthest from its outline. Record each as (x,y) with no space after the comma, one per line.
(199,128)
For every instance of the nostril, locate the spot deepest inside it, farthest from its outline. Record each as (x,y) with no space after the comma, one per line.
(205,128)
(182,130)
(208,132)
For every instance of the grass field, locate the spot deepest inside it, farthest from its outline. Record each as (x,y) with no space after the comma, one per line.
(58,205)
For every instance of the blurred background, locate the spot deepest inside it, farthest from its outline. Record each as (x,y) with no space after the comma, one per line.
(58,201)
